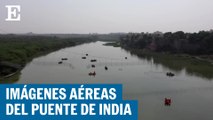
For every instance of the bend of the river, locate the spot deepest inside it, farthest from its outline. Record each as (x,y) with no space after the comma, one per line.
(142,80)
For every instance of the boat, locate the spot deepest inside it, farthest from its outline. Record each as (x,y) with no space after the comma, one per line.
(93,66)
(170,74)
(92,73)
(60,62)
(83,57)
(93,60)
(167,101)
(106,68)
(64,58)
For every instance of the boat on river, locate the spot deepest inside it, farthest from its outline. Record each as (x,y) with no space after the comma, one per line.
(170,74)
(92,73)
(93,60)
(167,101)
(64,58)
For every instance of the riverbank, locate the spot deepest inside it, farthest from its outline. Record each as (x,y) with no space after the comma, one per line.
(204,58)
(195,65)
(114,44)
(16,51)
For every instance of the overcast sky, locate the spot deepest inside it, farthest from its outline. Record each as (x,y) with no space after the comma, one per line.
(105,16)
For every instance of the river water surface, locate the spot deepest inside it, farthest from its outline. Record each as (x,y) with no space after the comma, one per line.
(143,79)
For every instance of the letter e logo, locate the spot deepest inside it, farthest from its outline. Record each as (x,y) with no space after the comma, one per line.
(13,13)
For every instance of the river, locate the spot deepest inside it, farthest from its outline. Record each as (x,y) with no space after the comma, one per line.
(143,79)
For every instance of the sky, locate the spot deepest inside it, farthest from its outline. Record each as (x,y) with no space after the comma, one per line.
(108,16)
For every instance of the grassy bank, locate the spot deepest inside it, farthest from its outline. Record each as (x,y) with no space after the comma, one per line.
(17,50)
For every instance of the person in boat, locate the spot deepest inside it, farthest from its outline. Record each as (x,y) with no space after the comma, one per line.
(170,74)
(167,101)
(93,60)
(106,68)
(125,57)
(93,66)
(64,58)
(92,73)
(86,54)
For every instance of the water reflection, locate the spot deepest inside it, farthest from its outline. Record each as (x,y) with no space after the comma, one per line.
(177,64)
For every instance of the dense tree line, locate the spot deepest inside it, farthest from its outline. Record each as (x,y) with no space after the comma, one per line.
(178,42)
(19,49)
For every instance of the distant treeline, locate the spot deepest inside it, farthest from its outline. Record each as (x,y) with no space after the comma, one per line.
(19,49)
(178,42)
(108,37)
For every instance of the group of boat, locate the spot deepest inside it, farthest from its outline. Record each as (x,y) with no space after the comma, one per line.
(167,101)
(93,65)
(62,59)
(84,57)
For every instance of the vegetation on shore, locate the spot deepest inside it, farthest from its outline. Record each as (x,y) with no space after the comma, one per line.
(197,45)
(109,37)
(17,50)
(179,42)
(114,44)
(192,52)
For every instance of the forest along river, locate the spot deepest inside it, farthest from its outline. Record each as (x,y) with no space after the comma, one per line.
(142,79)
